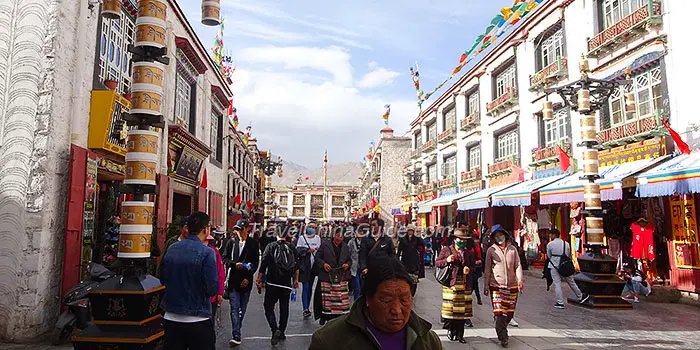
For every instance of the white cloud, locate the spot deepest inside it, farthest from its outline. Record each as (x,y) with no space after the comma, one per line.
(378,77)
(259,30)
(372,64)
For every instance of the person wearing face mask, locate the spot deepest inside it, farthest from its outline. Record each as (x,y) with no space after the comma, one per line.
(457,298)
(307,246)
(503,279)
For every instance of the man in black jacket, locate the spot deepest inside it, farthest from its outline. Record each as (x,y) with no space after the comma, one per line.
(375,245)
(241,260)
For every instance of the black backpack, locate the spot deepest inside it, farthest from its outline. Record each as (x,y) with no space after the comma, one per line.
(285,259)
(566,266)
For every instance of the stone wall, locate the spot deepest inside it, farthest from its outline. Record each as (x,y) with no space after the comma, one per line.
(46,59)
(395,154)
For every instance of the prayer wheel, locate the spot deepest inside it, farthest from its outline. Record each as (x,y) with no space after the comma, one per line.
(590,162)
(111,9)
(547,110)
(588,131)
(152,8)
(149,31)
(630,105)
(211,13)
(140,169)
(135,241)
(594,230)
(147,76)
(591,195)
(142,141)
(584,101)
(137,213)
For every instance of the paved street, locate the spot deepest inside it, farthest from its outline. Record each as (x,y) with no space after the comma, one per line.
(648,326)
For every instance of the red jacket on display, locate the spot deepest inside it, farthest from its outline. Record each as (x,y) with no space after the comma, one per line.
(643,241)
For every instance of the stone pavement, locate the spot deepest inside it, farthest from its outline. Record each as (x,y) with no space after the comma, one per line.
(648,326)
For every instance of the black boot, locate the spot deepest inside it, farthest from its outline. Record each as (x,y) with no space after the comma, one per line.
(460,336)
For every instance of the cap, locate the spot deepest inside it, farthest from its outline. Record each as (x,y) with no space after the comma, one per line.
(241,224)
(411,227)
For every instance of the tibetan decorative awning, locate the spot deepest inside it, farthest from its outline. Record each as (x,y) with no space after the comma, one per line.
(521,194)
(448,199)
(480,199)
(425,206)
(615,177)
(636,61)
(191,53)
(186,154)
(680,175)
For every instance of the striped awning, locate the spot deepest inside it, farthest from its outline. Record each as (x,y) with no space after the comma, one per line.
(570,188)
(480,199)
(520,194)
(680,175)
(425,206)
(448,199)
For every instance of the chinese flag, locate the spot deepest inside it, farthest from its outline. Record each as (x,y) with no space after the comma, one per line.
(372,203)
(682,146)
(306,178)
(237,199)
(249,204)
(564,159)
(204,182)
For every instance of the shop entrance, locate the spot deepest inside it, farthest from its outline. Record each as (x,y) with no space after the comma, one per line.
(505,217)
(182,205)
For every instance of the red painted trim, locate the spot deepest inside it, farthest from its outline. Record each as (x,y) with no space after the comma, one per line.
(191,53)
(163,208)
(74,218)
(201,199)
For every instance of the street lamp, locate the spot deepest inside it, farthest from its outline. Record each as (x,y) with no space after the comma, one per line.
(414,177)
(269,166)
(597,276)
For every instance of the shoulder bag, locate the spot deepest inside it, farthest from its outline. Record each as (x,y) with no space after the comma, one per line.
(443,275)
(566,266)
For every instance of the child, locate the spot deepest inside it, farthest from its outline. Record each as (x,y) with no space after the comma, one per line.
(634,283)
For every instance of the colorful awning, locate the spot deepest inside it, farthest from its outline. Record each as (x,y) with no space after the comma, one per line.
(570,188)
(680,175)
(480,199)
(520,194)
(448,199)
(425,206)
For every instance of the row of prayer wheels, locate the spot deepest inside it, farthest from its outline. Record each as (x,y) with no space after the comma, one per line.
(154,9)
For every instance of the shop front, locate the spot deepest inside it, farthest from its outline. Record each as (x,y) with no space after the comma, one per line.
(427,217)
(187,191)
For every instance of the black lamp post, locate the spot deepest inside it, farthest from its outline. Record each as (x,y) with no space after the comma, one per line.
(269,166)
(414,177)
(352,195)
(597,277)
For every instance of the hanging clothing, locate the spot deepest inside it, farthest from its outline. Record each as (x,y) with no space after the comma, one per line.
(643,241)
(544,221)
(613,247)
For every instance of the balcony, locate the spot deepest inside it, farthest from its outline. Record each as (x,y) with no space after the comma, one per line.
(633,131)
(471,175)
(415,154)
(447,136)
(550,154)
(637,22)
(107,128)
(447,182)
(549,74)
(428,187)
(502,166)
(429,146)
(503,102)
(471,122)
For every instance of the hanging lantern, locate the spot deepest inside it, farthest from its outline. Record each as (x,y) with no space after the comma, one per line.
(111,9)
(211,13)
(588,131)
(547,110)
(584,101)
(630,105)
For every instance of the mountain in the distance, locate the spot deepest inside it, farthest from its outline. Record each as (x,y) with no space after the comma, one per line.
(338,174)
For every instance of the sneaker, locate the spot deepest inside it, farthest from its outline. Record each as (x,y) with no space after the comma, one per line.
(469,324)
(558,306)
(275,338)
(628,298)
(234,342)
(648,292)
(584,298)
(307,313)
(636,299)
(512,323)
(504,343)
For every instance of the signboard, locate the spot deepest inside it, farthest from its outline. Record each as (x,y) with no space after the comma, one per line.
(514,176)
(684,229)
(187,164)
(111,166)
(88,215)
(550,170)
(472,186)
(646,149)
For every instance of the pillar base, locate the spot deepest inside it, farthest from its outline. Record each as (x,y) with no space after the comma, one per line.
(599,280)
(144,337)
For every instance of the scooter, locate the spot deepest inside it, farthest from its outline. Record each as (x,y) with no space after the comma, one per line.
(77,315)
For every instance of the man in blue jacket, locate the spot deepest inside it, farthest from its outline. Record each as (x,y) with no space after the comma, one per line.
(190,278)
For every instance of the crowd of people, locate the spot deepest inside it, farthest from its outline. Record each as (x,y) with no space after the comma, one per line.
(357,272)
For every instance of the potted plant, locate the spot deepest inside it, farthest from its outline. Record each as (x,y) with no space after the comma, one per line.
(127,94)
(111,84)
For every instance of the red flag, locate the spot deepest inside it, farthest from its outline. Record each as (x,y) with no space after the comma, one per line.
(372,203)
(564,159)
(237,199)
(249,204)
(204,182)
(306,178)
(682,146)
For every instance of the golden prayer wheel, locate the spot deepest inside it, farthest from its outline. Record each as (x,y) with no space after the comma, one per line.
(111,9)
(142,141)
(147,76)
(547,110)
(152,8)
(140,169)
(211,13)
(594,230)
(591,196)
(135,241)
(590,162)
(146,102)
(149,31)
(137,213)
(588,128)
(584,101)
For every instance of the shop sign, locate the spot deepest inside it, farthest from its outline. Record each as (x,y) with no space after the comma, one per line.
(111,166)
(685,234)
(550,170)
(188,165)
(646,149)
(448,191)
(470,187)
(182,187)
(89,204)
(505,179)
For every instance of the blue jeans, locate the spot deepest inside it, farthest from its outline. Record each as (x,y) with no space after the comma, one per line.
(635,287)
(239,304)
(356,288)
(306,293)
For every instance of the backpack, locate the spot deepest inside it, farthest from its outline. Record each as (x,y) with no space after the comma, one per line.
(566,266)
(285,260)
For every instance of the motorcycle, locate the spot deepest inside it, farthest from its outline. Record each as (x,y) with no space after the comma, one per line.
(77,314)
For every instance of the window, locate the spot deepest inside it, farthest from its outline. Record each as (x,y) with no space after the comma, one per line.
(473,104)
(646,87)
(551,49)
(449,118)
(557,129)
(474,158)
(115,36)
(183,95)
(432,131)
(507,145)
(417,140)
(317,199)
(615,10)
(283,200)
(317,212)
(298,212)
(505,81)
(432,172)
(449,166)
(216,136)
(337,212)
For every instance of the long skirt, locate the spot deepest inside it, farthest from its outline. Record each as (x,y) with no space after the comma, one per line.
(457,301)
(331,300)
(504,301)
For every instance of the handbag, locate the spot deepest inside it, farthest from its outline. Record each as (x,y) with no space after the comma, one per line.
(443,275)
(566,266)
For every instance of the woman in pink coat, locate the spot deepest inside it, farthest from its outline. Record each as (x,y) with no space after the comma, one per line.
(216,300)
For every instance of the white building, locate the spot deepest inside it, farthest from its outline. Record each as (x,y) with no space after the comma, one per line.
(302,202)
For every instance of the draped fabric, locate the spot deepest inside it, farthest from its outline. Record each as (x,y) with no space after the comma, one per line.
(504,301)
(335,299)
(457,301)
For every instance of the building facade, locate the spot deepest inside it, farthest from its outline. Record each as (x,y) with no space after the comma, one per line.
(304,202)
(382,182)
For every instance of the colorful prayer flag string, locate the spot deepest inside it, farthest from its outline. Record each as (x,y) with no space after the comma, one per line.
(386,114)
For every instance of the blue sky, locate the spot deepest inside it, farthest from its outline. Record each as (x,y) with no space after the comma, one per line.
(315,75)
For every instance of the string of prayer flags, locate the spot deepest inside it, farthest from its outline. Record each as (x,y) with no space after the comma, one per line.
(386,114)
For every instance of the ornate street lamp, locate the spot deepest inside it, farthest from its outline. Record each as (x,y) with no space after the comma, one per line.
(597,276)
(269,166)
(415,178)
